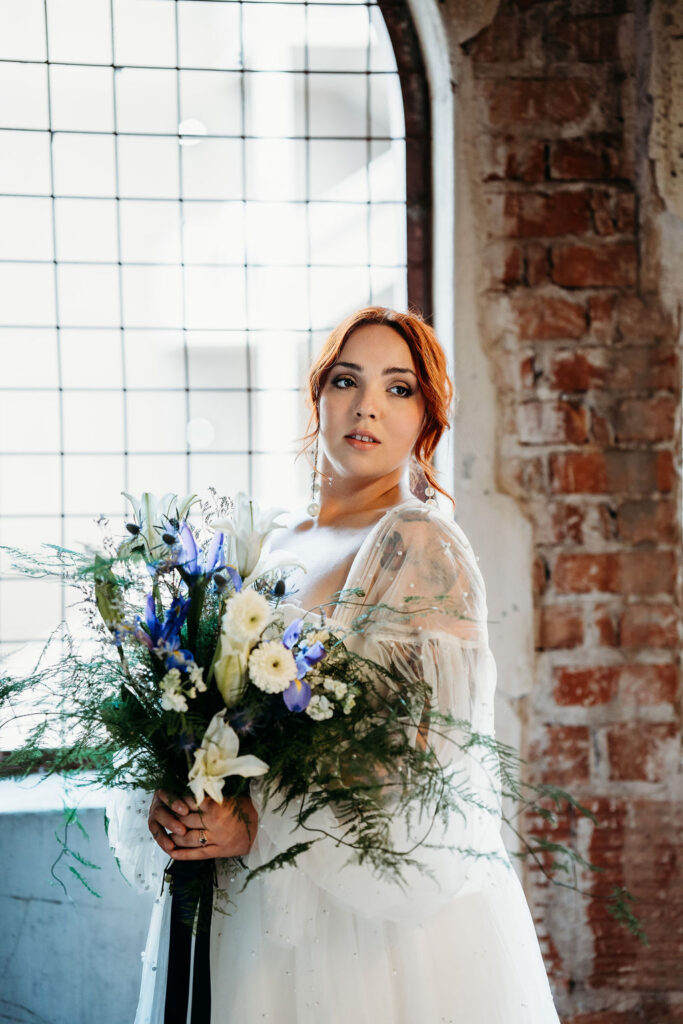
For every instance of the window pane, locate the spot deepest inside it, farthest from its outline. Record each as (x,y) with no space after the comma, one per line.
(84,165)
(388,234)
(19,495)
(157,421)
(27,294)
(217,358)
(278,297)
(277,421)
(339,170)
(29,608)
(25,162)
(144,32)
(88,295)
(146,101)
(214,99)
(22,31)
(274,104)
(159,474)
(213,232)
(91,359)
(212,169)
(274,36)
(86,229)
(155,359)
(339,233)
(41,370)
(218,420)
(279,481)
(214,297)
(336,292)
(386,108)
(279,359)
(25,229)
(92,484)
(79,30)
(227,473)
(339,100)
(148,168)
(209,34)
(338,38)
(82,99)
(93,422)
(29,421)
(152,296)
(23,96)
(277,233)
(276,169)
(150,231)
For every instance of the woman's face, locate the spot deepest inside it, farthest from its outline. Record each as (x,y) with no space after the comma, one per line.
(371,407)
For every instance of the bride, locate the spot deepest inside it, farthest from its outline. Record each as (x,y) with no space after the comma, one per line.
(326,941)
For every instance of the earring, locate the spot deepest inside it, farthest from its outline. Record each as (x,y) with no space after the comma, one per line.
(430,495)
(313,507)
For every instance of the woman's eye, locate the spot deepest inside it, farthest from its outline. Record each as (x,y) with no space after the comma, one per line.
(342,382)
(402,390)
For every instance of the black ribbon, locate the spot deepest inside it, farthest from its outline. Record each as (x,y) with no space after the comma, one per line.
(192,885)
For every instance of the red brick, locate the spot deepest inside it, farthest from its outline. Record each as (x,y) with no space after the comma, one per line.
(642,319)
(649,625)
(592,157)
(535,214)
(513,159)
(500,41)
(613,212)
(522,476)
(585,687)
(513,271)
(564,755)
(648,572)
(528,371)
(578,370)
(561,627)
(586,39)
(549,422)
(578,473)
(546,317)
(646,419)
(647,369)
(528,101)
(643,751)
(587,573)
(648,684)
(647,520)
(537,264)
(638,472)
(601,315)
(606,623)
(586,266)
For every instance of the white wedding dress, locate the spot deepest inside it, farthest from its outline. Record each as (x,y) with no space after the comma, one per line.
(328,942)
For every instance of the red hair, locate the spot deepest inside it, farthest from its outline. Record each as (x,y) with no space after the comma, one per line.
(430,366)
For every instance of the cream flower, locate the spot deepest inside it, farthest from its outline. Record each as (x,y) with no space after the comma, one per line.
(246,616)
(197,679)
(336,686)
(217,758)
(173,697)
(272,667)
(319,708)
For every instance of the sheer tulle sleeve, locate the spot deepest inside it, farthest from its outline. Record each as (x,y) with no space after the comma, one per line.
(141,860)
(432,626)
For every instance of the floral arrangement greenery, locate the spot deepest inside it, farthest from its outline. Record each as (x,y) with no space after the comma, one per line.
(191,680)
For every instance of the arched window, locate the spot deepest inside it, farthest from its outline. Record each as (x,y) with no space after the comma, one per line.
(191,194)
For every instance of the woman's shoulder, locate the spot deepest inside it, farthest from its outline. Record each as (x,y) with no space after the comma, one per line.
(424,529)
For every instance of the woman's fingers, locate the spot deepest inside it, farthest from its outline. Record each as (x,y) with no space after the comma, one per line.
(191,838)
(177,805)
(196,852)
(161,817)
(164,841)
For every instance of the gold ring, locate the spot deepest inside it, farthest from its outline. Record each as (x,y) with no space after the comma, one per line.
(202,837)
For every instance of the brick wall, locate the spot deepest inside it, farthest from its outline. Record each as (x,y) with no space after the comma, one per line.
(587,364)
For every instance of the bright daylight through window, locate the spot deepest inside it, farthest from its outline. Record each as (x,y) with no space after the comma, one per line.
(191,195)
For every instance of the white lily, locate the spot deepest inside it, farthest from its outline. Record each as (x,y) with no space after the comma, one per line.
(217,758)
(150,514)
(251,527)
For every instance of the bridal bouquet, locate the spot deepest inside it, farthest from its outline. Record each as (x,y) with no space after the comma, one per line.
(192,680)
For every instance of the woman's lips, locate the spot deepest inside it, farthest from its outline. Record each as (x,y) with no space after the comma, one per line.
(355,442)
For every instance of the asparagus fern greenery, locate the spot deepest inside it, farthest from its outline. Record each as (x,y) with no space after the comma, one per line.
(188,677)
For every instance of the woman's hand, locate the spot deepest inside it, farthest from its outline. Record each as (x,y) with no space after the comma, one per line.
(186,831)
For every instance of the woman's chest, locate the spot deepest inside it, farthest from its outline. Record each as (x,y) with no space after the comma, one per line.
(328,557)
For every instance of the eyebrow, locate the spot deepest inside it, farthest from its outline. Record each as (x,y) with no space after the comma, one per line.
(385,373)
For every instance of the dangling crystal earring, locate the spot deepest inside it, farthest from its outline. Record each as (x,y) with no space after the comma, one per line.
(313,507)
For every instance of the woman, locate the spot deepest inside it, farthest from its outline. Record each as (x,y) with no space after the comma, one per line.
(326,941)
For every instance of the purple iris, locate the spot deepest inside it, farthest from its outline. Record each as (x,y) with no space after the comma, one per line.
(164,637)
(192,561)
(298,693)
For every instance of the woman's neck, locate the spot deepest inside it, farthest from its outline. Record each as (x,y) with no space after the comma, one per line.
(354,500)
